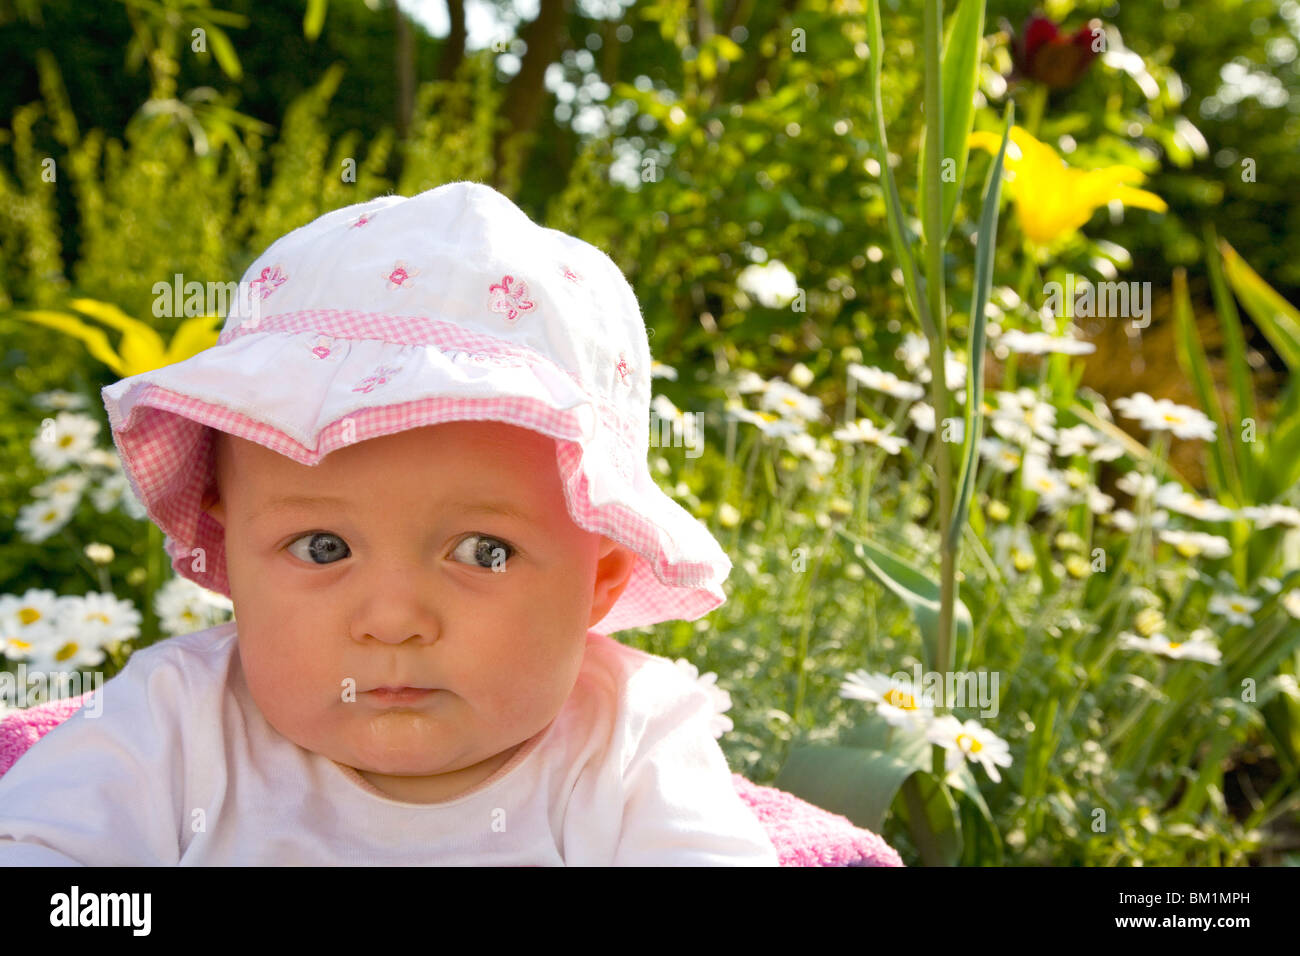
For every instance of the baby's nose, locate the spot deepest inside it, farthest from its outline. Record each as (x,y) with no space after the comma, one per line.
(395,606)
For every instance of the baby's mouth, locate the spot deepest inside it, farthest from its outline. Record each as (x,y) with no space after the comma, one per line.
(400,695)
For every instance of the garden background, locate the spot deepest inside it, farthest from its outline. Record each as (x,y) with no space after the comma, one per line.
(1102,512)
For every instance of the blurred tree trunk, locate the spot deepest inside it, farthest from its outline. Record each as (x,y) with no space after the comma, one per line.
(526,93)
(454,50)
(404,59)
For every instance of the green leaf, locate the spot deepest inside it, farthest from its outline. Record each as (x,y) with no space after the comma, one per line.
(985,247)
(1191,356)
(961,60)
(900,236)
(314,21)
(858,782)
(224,52)
(931,816)
(1277,318)
(920,594)
(963,781)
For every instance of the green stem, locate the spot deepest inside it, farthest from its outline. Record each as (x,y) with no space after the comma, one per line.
(934,281)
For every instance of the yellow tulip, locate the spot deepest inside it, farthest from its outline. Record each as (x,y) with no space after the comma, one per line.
(141,348)
(1053,199)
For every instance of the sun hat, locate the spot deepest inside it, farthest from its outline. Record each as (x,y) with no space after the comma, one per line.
(401,312)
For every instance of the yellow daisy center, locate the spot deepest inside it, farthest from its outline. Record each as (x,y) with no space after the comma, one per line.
(66,651)
(99,616)
(896,698)
(65,441)
(971,746)
(1175,644)
(29,615)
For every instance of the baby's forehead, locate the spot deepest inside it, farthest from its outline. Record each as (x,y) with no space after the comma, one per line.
(461,461)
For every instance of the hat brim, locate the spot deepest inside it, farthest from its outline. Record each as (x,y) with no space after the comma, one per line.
(304,401)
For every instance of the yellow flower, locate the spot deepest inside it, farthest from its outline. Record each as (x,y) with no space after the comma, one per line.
(1053,199)
(141,349)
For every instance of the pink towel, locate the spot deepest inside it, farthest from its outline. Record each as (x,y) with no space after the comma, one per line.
(803,834)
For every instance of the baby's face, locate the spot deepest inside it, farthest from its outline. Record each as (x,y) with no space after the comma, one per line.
(388,581)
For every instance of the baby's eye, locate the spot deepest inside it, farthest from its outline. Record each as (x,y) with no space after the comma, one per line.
(323,545)
(484,551)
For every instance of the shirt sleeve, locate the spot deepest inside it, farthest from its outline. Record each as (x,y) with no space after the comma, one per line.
(680,804)
(101,790)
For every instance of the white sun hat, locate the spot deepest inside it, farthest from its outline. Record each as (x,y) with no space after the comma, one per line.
(403,312)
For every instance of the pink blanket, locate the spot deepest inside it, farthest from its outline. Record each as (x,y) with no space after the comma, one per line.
(804,835)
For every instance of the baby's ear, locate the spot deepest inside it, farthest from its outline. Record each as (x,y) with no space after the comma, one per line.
(614,563)
(213,505)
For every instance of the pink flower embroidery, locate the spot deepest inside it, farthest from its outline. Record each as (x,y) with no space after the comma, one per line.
(623,368)
(511,302)
(361,220)
(272,278)
(571,275)
(378,377)
(401,276)
(322,348)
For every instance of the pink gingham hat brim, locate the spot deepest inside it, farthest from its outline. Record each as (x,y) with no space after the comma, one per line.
(307,381)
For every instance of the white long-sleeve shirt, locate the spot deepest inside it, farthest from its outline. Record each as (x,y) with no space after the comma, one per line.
(181,768)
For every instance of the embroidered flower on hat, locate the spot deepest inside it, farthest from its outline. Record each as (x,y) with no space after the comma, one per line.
(623,369)
(361,220)
(322,348)
(570,274)
(272,278)
(510,301)
(378,377)
(401,276)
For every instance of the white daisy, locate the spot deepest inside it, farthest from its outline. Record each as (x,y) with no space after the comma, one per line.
(801,376)
(1019,418)
(1098,501)
(115,490)
(71,484)
(806,446)
(1183,421)
(45,516)
(87,623)
(1137,484)
(72,436)
(1291,601)
(660,370)
(1107,450)
(863,430)
(772,284)
(1049,484)
(28,621)
(1171,495)
(1198,647)
(720,723)
(954,372)
(749,382)
(1237,608)
(791,402)
(1038,343)
(881,381)
(1191,544)
(60,400)
(767,422)
(1075,441)
(914,352)
(1266,516)
(1122,520)
(183,606)
(1137,406)
(969,741)
(1005,458)
(896,700)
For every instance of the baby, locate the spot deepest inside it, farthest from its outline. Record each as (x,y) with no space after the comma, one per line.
(416,463)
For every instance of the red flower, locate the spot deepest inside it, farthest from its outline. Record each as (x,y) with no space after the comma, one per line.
(1043,53)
